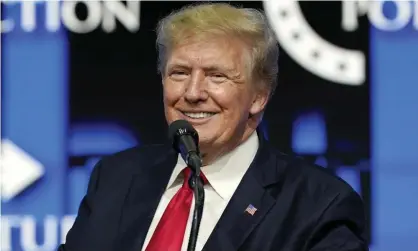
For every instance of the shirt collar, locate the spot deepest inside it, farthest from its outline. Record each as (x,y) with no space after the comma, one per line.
(224,174)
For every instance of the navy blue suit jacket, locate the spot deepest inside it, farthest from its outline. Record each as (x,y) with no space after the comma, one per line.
(300,207)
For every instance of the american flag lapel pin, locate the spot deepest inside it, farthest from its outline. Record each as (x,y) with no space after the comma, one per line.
(251,210)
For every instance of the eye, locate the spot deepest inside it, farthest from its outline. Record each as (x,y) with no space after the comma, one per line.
(218,77)
(178,74)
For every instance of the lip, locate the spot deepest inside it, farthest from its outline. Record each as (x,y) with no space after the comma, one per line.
(196,121)
(195,111)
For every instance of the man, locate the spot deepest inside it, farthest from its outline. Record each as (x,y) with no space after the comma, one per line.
(219,67)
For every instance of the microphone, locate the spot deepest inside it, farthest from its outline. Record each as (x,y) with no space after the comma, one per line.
(186,142)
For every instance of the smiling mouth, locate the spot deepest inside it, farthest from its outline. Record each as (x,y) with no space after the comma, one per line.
(199,115)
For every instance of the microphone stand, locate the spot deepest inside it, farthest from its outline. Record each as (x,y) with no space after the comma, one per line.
(195,163)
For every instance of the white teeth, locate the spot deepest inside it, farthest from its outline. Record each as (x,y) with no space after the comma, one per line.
(198,115)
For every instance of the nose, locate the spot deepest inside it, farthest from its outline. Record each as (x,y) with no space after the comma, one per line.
(196,89)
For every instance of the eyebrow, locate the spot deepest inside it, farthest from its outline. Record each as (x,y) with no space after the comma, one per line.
(220,69)
(206,68)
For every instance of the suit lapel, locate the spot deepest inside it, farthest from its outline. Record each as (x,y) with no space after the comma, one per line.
(235,224)
(142,200)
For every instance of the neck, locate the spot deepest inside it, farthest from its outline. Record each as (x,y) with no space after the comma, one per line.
(209,156)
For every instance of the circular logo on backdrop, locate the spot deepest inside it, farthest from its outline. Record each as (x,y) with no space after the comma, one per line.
(309,49)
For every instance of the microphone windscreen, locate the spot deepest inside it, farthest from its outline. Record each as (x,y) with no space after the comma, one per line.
(179,127)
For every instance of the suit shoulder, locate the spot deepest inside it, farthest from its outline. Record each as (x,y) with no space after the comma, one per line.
(310,177)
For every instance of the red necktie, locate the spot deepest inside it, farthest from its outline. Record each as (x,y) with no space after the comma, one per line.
(169,234)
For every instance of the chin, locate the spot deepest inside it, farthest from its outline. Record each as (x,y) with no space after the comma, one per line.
(204,138)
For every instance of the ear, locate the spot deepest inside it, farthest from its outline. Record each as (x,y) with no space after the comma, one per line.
(259,102)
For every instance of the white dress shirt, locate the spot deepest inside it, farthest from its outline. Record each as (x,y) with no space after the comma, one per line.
(224,176)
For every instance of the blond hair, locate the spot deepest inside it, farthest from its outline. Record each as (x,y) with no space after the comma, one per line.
(200,20)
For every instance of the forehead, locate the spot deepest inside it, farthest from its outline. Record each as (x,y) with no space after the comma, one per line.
(216,52)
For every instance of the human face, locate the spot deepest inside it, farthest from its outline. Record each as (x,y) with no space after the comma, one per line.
(207,83)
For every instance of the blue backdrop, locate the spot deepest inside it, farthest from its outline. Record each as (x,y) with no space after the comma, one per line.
(35,115)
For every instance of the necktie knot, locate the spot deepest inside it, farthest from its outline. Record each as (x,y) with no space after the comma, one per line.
(187,175)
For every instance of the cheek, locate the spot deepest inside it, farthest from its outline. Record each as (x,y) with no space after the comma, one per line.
(233,109)
(238,111)
(232,101)
(225,96)
(171,93)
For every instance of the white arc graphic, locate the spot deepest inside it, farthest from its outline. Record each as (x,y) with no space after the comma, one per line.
(18,170)
(308,49)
